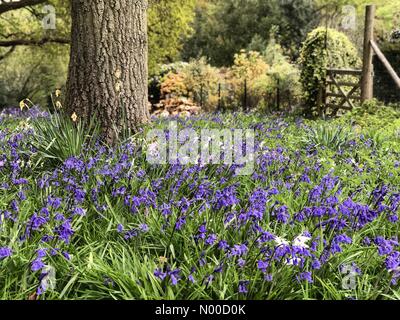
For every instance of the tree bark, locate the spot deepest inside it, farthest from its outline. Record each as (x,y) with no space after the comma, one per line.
(108,73)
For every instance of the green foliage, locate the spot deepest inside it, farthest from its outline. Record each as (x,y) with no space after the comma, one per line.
(373,114)
(58,138)
(264,73)
(327,135)
(283,75)
(251,67)
(32,73)
(174,86)
(224,27)
(201,80)
(103,264)
(196,80)
(156,80)
(323,48)
(168,24)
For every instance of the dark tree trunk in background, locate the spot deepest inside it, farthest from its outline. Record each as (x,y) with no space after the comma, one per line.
(107,76)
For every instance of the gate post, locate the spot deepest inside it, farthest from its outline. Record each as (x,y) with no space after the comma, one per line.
(367,81)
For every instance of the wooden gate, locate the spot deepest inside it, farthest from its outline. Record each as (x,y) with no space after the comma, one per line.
(339,92)
(343,90)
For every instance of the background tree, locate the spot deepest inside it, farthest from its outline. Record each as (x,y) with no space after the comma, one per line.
(169,23)
(34,61)
(224,27)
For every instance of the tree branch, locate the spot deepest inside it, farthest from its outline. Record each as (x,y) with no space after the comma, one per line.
(8,6)
(33,42)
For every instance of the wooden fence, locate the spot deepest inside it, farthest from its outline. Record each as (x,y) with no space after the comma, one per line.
(336,96)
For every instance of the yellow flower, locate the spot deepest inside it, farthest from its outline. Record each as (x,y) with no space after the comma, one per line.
(163,260)
(74,117)
(58,105)
(22,105)
(58,92)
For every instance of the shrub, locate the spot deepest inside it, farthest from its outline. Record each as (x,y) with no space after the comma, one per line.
(174,84)
(323,48)
(250,67)
(196,80)
(201,80)
(372,113)
(281,75)
(332,136)
(58,138)
(157,79)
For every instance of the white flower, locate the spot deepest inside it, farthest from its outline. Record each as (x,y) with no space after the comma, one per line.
(281,241)
(301,241)
(153,148)
(293,261)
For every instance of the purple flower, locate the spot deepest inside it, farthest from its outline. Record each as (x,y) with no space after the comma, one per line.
(180,223)
(266,237)
(223,245)
(130,234)
(209,280)
(80,195)
(191,278)
(239,250)
(5,252)
(316,264)
(282,214)
(202,231)
(66,255)
(384,246)
(65,231)
(175,276)
(37,264)
(165,209)
(14,206)
(37,221)
(79,211)
(212,238)
(41,253)
(243,284)
(143,227)
(160,274)
(226,197)
(55,203)
(241,262)
(219,268)
(262,265)
(306,276)
(268,277)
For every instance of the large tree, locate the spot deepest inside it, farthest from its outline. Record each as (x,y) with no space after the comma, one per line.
(108,63)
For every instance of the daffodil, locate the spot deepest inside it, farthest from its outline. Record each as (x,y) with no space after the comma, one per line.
(22,105)
(58,105)
(74,117)
(162,260)
(58,92)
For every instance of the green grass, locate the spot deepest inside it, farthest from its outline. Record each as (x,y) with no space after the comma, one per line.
(104,265)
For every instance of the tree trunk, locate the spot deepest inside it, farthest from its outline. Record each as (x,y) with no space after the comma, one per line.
(107,76)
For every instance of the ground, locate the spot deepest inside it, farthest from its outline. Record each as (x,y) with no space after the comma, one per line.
(317,219)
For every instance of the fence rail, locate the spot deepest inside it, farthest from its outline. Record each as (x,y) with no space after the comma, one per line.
(347,97)
(335,88)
